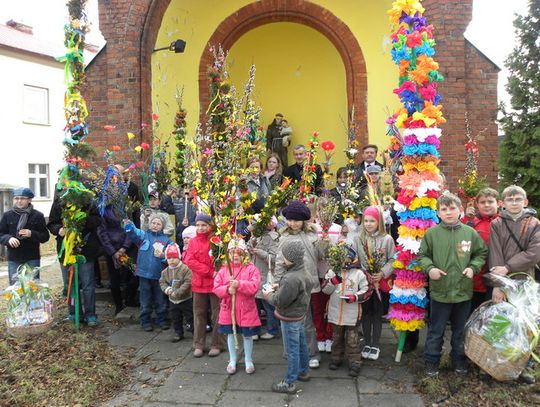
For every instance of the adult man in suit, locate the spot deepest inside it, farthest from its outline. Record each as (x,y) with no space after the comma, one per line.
(294,172)
(369,153)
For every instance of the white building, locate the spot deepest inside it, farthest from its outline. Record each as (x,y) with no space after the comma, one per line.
(31,112)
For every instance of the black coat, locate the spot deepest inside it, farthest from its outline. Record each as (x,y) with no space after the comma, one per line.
(294,172)
(91,248)
(29,248)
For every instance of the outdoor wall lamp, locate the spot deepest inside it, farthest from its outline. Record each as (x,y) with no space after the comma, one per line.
(177,46)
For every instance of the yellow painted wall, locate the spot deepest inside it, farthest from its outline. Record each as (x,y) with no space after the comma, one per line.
(299,74)
(195,22)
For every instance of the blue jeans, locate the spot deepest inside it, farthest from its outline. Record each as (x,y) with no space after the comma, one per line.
(151,299)
(13,265)
(294,339)
(272,323)
(86,284)
(441,313)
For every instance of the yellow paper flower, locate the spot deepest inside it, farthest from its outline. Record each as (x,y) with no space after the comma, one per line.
(130,136)
(138,149)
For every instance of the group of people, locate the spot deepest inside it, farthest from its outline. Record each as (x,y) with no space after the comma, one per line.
(285,274)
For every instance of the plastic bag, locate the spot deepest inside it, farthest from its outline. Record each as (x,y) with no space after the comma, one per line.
(500,338)
(29,303)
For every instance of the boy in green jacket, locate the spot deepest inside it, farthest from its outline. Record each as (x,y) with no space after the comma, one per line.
(450,254)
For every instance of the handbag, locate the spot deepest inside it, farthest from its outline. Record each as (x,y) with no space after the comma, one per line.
(536,267)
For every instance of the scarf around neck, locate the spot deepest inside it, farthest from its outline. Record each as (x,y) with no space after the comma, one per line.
(24,213)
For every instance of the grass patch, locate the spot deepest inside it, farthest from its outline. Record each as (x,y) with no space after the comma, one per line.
(60,367)
(450,389)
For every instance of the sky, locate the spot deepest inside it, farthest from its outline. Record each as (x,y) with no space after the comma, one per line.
(491,29)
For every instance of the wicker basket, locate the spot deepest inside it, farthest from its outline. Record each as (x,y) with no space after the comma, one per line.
(481,352)
(29,330)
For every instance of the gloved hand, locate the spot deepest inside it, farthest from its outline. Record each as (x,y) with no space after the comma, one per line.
(350,298)
(168,291)
(329,274)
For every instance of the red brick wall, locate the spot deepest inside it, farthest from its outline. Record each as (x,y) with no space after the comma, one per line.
(118,86)
(470,86)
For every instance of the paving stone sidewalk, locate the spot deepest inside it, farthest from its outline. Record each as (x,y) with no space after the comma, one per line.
(167,374)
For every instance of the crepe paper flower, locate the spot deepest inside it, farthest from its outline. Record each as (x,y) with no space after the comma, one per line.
(109,127)
(155,117)
(145,146)
(132,167)
(116,148)
(138,149)
(130,136)
(140,164)
(328,145)
(414,39)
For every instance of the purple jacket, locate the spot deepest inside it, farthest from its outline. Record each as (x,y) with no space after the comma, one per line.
(111,233)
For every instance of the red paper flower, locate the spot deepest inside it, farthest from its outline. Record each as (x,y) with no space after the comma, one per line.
(155,117)
(216,240)
(109,127)
(327,145)
(145,146)
(140,164)
(116,148)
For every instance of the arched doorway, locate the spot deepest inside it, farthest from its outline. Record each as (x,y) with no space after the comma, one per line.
(312,15)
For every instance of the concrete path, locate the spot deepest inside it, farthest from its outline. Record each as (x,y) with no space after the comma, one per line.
(167,374)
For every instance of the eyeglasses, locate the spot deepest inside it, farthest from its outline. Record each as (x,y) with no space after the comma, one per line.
(514,200)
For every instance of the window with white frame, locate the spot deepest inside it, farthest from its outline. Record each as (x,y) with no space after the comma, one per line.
(38,179)
(35,105)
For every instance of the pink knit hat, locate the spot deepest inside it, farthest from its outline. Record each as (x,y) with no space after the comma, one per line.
(372,211)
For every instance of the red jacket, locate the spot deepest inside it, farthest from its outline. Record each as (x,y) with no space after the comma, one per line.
(200,262)
(246,312)
(481,224)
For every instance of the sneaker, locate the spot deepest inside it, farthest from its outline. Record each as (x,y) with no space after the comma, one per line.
(461,368)
(313,363)
(365,352)
(165,326)
(328,346)
(321,345)
(92,321)
(431,369)
(214,352)
(266,336)
(334,365)
(283,387)
(231,368)
(255,337)
(304,377)
(208,328)
(374,354)
(198,353)
(148,328)
(177,337)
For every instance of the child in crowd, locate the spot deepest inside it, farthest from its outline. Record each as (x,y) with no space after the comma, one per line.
(263,254)
(300,228)
(175,282)
(515,245)
(451,253)
(187,234)
(155,202)
(480,218)
(375,250)
(344,312)
(292,300)
(200,262)
(241,288)
(22,229)
(150,263)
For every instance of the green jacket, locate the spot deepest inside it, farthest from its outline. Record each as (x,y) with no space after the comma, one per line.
(452,249)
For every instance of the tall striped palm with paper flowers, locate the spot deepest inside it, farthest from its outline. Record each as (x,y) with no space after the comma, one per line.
(412,51)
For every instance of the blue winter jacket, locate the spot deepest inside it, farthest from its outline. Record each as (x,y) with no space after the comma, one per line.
(148,265)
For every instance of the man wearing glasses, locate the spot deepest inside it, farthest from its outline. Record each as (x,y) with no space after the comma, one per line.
(22,230)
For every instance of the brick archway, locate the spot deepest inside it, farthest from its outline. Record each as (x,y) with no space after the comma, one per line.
(302,12)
